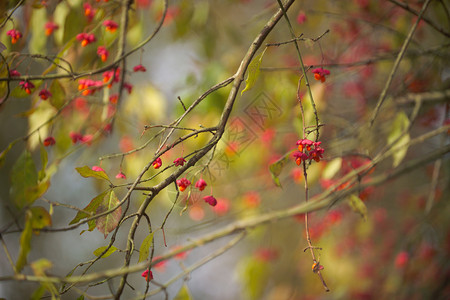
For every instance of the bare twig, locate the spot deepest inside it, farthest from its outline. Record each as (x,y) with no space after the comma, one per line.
(397,64)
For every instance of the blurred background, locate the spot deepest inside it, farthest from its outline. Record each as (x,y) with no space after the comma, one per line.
(397,249)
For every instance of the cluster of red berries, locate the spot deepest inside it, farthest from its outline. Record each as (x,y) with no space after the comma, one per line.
(308,150)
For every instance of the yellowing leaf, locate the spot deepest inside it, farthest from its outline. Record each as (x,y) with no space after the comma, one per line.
(72,23)
(145,247)
(358,206)
(4,152)
(90,208)
(37,119)
(109,222)
(34,192)
(25,242)
(44,161)
(58,98)
(23,177)
(100,250)
(88,172)
(183,293)
(40,266)
(253,71)
(276,168)
(38,40)
(40,218)
(332,168)
(254,274)
(399,126)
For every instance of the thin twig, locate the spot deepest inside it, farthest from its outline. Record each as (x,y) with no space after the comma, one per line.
(397,64)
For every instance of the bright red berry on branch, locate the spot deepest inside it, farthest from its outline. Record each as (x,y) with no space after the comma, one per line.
(97,169)
(320,74)
(102,53)
(14,73)
(317,152)
(179,161)
(14,34)
(114,74)
(301,17)
(402,259)
(75,137)
(210,200)
(183,183)
(50,27)
(50,141)
(299,157)
(200,184)
(121,175)
(87,139)
(304,143)
(89,11)
(139,68)
(113,99)
(87,86)
(128,87)
(148,275)
(86,38)
(157,163)
(110,26)
(27,86)
(44,94)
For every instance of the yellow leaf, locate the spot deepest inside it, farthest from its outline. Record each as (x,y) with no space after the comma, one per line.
(145,247)
(358,206)
(100,250)
(401,139)
(109,222)
(253,71)
(88,172)
(25,242)
(40,218)
(332,168)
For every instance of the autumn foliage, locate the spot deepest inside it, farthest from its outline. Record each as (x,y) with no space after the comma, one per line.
(230,149)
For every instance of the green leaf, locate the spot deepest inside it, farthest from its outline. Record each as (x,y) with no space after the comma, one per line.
(276,168)
(358,206)
(100,250)
(144,250)
(23,177)
(90,208)
(253,71)
(38,293)
(58,98)
(44,162)
(88,172)
(25,242)
(40,218)
(34,192)
(73,23)
(183,293)
(398,128)
(109,222)
(254,275)
(38,40)
(40,266)
(4,152)
(332,168)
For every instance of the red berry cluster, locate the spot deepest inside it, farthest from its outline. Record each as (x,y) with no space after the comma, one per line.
(308,150)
